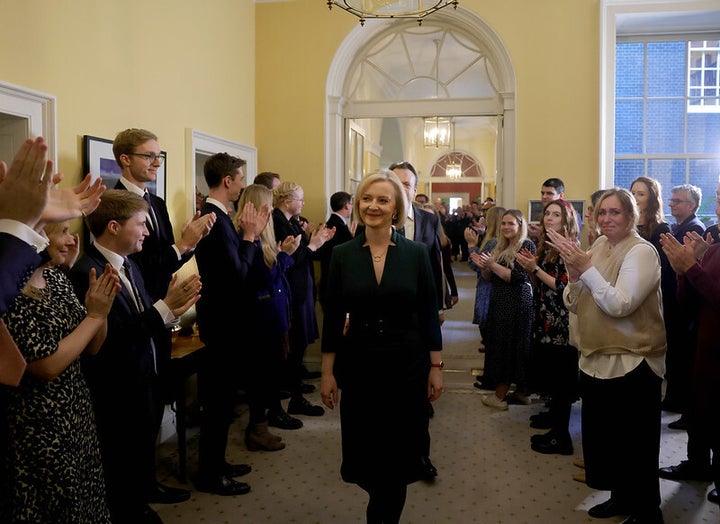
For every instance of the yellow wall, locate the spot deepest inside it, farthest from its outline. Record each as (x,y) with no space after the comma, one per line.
(256,74)
(159,64)
(554,49)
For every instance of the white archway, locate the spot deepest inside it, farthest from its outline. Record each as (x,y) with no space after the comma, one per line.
(485,35)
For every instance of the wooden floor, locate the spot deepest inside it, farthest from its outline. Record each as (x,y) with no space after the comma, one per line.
(488,473)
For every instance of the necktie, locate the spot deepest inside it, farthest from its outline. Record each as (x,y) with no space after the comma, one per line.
(151,213)
(130,275)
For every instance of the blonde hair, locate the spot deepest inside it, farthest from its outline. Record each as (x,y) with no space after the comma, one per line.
(401,201)
(492,224)
(506,249)
(259,195)
(285,191)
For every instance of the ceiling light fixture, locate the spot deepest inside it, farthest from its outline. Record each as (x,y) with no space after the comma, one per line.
(415,9)
(437,131)
(453,169)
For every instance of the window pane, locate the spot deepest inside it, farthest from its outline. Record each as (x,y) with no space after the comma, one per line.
(665,125)
(704,133)
(628,127)
(704,174)
(669,173)
(628,170)
(629,70)
(666,69)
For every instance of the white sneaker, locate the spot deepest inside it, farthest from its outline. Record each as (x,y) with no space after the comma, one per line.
(494,402)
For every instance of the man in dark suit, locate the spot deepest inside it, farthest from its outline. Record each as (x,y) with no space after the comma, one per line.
(341,205)
(139,156)
(224,258)
(123,376)
(680,322)
(423,227)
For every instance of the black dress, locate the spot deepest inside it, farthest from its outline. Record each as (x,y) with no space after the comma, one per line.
(382,363)
(509,326)
(51,467)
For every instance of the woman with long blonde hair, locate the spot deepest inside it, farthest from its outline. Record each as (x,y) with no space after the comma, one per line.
(508,333)
(483,286)
(267,296)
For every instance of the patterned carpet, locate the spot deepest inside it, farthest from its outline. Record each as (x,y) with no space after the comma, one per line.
(488,473)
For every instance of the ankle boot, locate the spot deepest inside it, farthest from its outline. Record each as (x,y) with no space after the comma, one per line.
(257,437)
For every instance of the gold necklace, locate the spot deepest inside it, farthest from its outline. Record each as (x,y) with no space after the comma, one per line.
(378,258)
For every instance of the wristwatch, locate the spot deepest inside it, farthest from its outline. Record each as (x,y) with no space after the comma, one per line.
(440,365)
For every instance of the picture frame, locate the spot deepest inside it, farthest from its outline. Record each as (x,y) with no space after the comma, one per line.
(535,209)
(98,159)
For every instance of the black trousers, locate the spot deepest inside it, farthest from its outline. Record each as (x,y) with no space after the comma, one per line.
(127,431)
(217,390)
(621,436)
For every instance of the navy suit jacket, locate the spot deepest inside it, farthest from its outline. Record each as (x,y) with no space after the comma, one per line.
(158,260)
(427,231)
(18,260)
(342,235)
(124,366)
(692,223)
(223,260)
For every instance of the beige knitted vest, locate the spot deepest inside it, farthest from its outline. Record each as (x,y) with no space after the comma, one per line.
(642,332)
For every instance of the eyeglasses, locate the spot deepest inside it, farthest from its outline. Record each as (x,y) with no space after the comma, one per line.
(678,201)
(151,157)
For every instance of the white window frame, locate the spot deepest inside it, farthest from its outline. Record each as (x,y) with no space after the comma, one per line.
(660,16)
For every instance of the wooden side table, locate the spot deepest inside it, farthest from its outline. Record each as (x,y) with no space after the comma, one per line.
(185,358)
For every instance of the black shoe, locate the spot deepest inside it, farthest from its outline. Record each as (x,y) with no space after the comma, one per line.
(237,470)
(302,406)
(680,424)
(713,496)
(162,494)
(542,437)
(686,471)
(607,509)
(306,388)
(554,447)
(222,485)
(309,375)
(283,421)
(541,420)
(149,516)
(651,517)
(428,472)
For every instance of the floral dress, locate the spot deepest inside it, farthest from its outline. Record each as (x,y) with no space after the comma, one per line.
(50,465)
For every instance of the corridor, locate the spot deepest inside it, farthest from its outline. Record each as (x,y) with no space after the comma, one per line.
(487,471)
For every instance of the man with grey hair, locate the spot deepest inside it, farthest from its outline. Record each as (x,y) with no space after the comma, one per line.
(679,322)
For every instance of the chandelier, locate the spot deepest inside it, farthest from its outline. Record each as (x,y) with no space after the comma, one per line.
(415,9)
(437,131)
(453,171)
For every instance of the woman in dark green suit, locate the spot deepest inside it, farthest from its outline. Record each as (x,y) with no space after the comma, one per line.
(381,345)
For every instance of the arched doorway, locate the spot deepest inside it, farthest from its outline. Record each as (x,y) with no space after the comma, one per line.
(360,85)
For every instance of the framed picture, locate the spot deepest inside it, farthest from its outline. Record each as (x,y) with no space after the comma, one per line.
(535,209)
(99,160)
